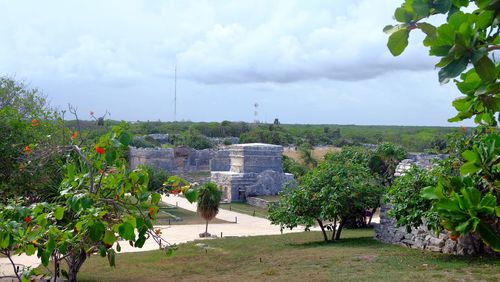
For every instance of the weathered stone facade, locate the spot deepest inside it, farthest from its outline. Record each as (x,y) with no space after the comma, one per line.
(175,160)
(421,237)
(255,170)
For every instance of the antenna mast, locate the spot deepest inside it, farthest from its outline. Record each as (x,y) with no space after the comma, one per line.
(175,92)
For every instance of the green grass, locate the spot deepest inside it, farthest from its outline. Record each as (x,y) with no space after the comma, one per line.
(293,257)
(245,208)
(188,217)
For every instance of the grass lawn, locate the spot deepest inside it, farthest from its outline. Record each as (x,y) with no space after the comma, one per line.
(188,217)
(292,257)
(245,208)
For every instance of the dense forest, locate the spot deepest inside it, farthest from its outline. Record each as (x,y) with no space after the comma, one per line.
(202,134)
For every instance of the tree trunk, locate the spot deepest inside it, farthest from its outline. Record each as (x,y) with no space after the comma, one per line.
(322,230)
(206,228)
(371,215)
(339,230)
(334,229)
(75,262)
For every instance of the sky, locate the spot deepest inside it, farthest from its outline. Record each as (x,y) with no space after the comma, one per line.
(322,62)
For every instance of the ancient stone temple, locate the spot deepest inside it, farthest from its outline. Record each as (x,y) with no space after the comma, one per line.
(254,170)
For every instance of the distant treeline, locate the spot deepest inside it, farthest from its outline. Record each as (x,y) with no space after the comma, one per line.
(196,134)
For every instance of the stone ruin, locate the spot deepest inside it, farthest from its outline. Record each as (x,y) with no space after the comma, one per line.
(421,237)
(254,170)
(243,170)
(175,160)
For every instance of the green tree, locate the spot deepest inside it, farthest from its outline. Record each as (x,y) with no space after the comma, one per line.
(333,194)
(469,37)
(209,197)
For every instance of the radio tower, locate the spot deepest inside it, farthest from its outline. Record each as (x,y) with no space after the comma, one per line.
(175,92)
(256,112)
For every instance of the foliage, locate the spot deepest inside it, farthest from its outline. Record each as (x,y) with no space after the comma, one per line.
(26,124)
(157,178)
(470,202)
(294,167)
(100,202)
(337,190)
(465,38)
(196,140)
(407,206)
(385,160)
(209,197)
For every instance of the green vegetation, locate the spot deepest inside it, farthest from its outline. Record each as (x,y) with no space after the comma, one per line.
(412,138)
(469,36)
(207,203)
(245,208)
(293,257)
(339,190)
(466,197)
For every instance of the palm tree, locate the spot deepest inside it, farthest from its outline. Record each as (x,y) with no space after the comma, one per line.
(209,197)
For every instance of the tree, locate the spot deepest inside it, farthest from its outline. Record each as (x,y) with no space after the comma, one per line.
(466,43)
(333,194)
(466,38)
(209,197)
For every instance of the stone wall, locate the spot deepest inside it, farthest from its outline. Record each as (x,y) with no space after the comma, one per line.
(258,202)
(220,161)
(421,237)
(175,160)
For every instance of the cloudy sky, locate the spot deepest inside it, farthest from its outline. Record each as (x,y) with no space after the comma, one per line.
(301,61)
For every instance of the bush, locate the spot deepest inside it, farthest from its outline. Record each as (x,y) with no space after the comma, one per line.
(157,176)
(408,207)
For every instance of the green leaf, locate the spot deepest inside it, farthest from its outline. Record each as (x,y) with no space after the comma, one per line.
(462,104)
(111,156)
(398,41)
(96,231)
(125,138)
(59,213)
(111,257)
(170,252)
(191,195)
(489,236)
(468,168)
(155,198)
(429,30)
(471,195)
(485,19)
(30,250)
(126,231)
(482,3)
(489,201)
(453,69)
(485,68)
(448,205)
(470,156)
(441,6)
(4,244)
(140,242)
(421,7)
(402,15)
(429,193)
(109,237)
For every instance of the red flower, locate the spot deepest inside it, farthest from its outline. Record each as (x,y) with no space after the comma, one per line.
(99,150)
(74,135)
(27,150)
(28,219)
(34,122)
